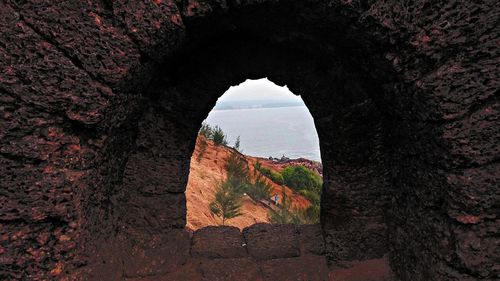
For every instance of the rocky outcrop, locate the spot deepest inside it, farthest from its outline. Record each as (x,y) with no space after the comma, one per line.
(100,103)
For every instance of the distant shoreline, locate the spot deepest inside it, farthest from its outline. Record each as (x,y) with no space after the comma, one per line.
(271,131)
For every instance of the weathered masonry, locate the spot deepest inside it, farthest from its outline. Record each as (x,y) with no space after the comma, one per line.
(100,103)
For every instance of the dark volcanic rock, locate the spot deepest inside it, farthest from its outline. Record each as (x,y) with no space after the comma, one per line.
(311,239)
(243,269)
(101,101)
(85,35)
(311,268)
(218,242)
(162,254)
(267,241)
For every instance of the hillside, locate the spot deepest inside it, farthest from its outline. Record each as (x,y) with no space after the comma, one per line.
(206,171)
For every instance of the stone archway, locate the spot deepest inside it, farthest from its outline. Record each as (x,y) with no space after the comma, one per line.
(406,120)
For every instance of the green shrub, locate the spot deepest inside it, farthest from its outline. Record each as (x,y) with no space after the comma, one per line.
(205,130)
(310,215)
(309,185)
(218,136)
(276,177)
(299,177)
(237,144)
(283,216)
(313,196)
(258,166)
(287,216)
(272,175)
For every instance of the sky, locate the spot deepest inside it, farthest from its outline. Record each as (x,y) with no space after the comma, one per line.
(262,113)
(261,89)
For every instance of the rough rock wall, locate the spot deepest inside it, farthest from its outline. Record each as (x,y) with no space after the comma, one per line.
(152,197)
(446,178)
(404,95)
(49,152)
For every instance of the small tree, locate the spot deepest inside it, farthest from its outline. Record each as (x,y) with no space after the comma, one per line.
(218,136)
(205,130)
(237,173)
(258,166)
(237,144)
(260,189)
(226,203)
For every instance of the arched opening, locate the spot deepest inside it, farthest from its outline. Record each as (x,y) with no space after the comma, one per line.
(352,125)
(256,160)
(101,102)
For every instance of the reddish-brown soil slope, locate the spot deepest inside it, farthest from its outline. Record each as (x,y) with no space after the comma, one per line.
(209,169)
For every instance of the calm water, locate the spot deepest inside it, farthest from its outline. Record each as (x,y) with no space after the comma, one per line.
(268,132)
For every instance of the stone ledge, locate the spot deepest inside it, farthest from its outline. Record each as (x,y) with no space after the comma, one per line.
(266,241)
(218,242)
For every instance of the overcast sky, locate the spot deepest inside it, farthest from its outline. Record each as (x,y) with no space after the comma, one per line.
(261,89)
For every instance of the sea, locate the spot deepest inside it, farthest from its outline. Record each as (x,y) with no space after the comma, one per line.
(276,131)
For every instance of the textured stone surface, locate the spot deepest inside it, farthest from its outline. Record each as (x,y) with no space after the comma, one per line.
(212,253)
(156,26)
(188,272)
(311,268)
(311,239)
(367,270)
(243,269)
(267,241)
(83,32)
(218,242)
(162,254)
(100,102)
